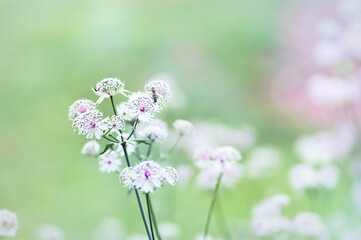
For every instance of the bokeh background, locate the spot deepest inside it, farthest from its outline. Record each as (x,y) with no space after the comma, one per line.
(236,64)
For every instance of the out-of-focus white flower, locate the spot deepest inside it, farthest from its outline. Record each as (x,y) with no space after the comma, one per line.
(8,223)
(109,87)
(143,106)
(49,232)
(158,90)
(109,162)
(155,131)
(227,154)
(351,38)
(302,176)
(184,173)
(79,107)
(169,230)
(183,127)
(271,207)
(262,162)
(116,122)
(203,155)
(125,112)
(310,225)
(148,176)
(328,177)
(91,124)
(137,237)
(91,149)
(329,29)
(277,227)
(350,9)
(130,145)
(329,53)
(109,229)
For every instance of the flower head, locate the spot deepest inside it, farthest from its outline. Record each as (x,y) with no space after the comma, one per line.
(109,162)
(183,127)
(8,223)
(125,112)
(90,124)
(310,225)
(156,131)
(143,106)
(91,149)
(227,154)
(79,107)
(109,87)
(116,122)
(159,90)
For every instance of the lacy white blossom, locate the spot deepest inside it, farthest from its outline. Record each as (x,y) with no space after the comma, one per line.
(158,90)
(109,162)
(155,131)
(143,106)
(79,107)
(91,124)
(8,223)
(262,162)
(148,176)
(183,127)
(109,87)
(227,154)
(125,112)
(91,149)
(310,225)
(49,232)
(116,122)
(184,173)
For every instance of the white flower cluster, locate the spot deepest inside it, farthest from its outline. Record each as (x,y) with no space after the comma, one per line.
(109,87)
(269,222)
(8,223)
(155,131)
(214,162)
(183,127)
(147,176)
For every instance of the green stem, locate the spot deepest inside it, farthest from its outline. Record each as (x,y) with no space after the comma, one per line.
(222,222)
(115,111)
(149,149)
(154,220)
(175,144)
(133,129)
(111,140)
(212,206)
(149,214)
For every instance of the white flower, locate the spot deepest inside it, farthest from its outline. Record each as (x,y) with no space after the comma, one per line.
(262,162)
(109,87)
(184,172)
(148,176)
(116,122)
(109,229)
(156,131)
(328,177)
(277,227)
(169,230)
(310,225)
(8,223)
(49,232)
(143,106)
(90,124)
(125,112)
(158,90)
(227,154)
(329,53)
(302,176)
(109,162)
(183,127)
(91,149)
(203,155)
(79,107)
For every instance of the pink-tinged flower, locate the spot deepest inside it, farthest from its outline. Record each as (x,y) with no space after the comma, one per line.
(79,107)
(203,155)
(8,223)
(117,123)
(109,87)
(158,90)
(227,154)
(142,104)
(109,162)
(91,124)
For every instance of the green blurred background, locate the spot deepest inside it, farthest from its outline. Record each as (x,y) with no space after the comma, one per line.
(52,52)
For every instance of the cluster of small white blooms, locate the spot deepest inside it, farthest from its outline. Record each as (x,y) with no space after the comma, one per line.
(147,176)
(109,229)
(109,162)
(303,176)
(206,156)
(183,127)
(116,123)
(158,90)
(109,87)
(125,112)
(262,162)
(155,131)
(91,149)
(143,107)
(49,232)
(79,107)
(8,223)
(310,225)
(91,124)
(169,230)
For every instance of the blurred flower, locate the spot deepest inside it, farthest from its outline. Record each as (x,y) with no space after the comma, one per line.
(8,223)
(183,127)
(91,124)
(227,154)
(109,87)
(169,230)
(350,9)
(329,53)
(328,177)
(148,176)
(109,229)
(310,225)
(125,112)
(203,155)
(109,162)
(184,173)
(49,232)
(271,207)
(79,107)
(262,162)
(143,106)
(91,149)
(158,90)
(155,131)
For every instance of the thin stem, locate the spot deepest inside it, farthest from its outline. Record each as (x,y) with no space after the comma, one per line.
(137,194)
(133,129)
(149,150)
(115,111)
(111,140)
(175,145)
(154,220)
(115,139)
(212,206)
(149,215)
